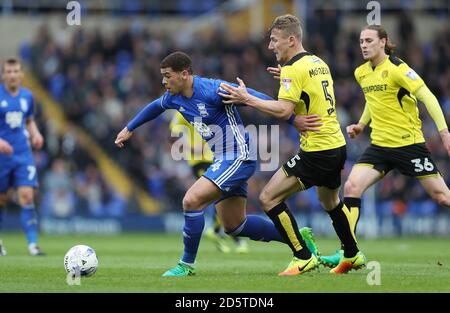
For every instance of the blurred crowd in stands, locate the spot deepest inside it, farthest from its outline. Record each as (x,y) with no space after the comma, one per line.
(103,79)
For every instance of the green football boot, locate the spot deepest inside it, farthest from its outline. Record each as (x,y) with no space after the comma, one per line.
(308,237)
(180,270)
(332,260)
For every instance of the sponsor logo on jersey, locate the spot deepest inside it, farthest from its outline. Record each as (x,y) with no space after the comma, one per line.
(367,89)
(203,129)
(14,119)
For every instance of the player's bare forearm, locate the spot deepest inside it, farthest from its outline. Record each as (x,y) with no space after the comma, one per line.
(31,127)
(279,108)
(36,139)
(445,137)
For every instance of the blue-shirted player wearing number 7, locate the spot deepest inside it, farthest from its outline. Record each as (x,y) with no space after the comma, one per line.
(18,134)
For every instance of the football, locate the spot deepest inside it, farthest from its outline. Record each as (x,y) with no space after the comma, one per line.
(81,258)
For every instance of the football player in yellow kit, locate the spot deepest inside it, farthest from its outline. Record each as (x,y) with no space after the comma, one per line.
(392,90)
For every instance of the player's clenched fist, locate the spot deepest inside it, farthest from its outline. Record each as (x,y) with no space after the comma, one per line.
(123,136)
(355,129)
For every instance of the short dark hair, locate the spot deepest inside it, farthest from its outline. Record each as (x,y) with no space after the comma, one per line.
(389,48)
(11,61)
(289,24)
(178,61)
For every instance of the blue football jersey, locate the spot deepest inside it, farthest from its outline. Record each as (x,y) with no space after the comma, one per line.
(219,124)
(14,112)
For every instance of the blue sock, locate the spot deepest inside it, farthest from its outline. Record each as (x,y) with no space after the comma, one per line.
(194,222)
(1,218)
(28,219)
(257,228)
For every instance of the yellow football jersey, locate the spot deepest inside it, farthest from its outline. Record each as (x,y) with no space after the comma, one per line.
(306,81)
(388,89)
(179,124)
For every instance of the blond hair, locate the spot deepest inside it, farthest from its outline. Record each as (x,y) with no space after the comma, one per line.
(289,24)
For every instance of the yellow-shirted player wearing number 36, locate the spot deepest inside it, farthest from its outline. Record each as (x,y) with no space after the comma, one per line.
(391,89)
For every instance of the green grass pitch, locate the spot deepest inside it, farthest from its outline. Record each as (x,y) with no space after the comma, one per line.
(135,262)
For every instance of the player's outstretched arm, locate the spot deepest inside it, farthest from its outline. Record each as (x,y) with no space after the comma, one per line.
(36,139)
(5,147)
(151,111)
(432,105)
(279,108)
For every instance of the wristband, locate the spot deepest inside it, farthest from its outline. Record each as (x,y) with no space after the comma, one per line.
(291,119)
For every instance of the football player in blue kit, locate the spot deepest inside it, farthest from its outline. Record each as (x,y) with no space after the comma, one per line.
(225,181)
(18,135)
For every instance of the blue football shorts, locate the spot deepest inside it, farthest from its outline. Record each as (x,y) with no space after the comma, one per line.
(231,176)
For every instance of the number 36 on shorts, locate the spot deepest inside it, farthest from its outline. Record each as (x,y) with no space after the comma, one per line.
(421,165)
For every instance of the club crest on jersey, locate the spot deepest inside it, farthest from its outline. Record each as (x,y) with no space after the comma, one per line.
(384,74)
(202,109)
(23,104)
(286,83)
(4,104)
(411,74)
